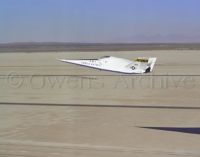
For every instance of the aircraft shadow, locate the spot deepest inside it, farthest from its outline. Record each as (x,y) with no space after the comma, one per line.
(189,130)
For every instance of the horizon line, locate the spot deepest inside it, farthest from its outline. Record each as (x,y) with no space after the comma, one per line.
(63,42)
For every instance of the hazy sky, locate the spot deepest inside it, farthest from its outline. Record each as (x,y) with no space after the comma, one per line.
(99,20)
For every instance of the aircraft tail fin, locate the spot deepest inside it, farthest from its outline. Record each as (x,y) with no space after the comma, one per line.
(151,64)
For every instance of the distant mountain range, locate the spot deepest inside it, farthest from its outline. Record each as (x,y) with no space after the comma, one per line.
(158,38)
(92,47)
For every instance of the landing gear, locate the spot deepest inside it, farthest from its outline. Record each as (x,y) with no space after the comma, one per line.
(148,70)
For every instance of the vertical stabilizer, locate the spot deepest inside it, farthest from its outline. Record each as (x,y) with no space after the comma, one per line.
(151,63)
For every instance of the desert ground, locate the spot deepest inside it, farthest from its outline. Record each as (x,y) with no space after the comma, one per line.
(49,108)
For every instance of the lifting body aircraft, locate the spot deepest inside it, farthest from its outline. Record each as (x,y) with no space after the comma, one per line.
(115,64)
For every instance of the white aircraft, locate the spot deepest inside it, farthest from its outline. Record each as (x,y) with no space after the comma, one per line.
(109,63)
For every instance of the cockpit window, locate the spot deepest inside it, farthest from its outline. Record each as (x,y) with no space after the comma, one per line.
(141,60)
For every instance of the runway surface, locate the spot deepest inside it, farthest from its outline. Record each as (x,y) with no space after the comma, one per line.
(48,108)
